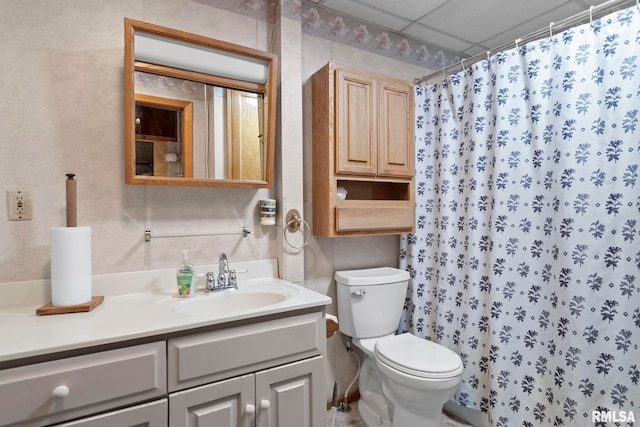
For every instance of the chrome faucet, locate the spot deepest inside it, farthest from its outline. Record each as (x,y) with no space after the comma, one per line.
(226,277)
(223,271)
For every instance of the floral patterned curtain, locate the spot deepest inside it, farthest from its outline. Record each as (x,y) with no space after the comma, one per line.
(526,256)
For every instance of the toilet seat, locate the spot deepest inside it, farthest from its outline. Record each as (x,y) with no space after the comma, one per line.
(418,357)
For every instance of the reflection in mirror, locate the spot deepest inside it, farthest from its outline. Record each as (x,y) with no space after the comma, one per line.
(227,141)
(164,138)
(188,121)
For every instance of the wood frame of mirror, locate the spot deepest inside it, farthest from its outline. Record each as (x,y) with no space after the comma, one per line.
(268,89)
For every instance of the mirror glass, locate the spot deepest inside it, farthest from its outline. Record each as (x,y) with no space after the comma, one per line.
(198,111)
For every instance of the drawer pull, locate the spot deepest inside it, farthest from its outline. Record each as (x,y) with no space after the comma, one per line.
(249,409)
(60,392)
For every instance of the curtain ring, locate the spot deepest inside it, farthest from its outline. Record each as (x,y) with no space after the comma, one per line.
(489,54)
(551,29)
(444,75)
(517,41)
(462,63)
(294,222)
(591,14)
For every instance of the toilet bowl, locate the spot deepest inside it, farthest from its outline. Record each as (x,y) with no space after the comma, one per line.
(419,377)
(404,380)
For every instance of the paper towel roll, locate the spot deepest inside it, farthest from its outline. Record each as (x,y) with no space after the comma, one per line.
(70,265)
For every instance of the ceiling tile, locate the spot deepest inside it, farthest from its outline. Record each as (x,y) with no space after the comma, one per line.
(366,13)
(533,25)
(476,50)
(482,19)
(592,2)
(421,32)
(409,9)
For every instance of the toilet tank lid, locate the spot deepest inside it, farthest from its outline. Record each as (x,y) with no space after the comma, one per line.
(371,276)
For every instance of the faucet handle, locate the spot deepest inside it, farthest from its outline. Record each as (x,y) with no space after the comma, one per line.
(211,282)
(233,279)
(222,280)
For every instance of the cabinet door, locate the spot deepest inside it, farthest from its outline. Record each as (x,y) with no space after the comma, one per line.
(292,395)
(152,414)
(395,129)
(356,130)
(228,403)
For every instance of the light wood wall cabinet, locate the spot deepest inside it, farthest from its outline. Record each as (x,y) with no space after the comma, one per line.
(363,141)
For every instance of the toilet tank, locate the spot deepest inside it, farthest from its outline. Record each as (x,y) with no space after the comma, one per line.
(370,301)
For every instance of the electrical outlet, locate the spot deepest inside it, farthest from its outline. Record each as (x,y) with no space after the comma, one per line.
(19,205)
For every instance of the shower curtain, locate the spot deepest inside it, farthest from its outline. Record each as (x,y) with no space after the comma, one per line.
(526,255)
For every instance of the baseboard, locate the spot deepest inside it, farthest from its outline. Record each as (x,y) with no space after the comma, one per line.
(352,397)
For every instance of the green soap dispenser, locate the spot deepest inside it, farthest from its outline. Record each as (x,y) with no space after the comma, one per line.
(185,277)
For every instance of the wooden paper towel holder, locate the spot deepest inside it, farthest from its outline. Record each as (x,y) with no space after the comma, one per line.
(62,309)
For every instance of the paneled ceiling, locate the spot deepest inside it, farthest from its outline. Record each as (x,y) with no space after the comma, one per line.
(468,27)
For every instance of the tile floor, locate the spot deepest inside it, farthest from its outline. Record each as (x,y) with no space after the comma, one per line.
(351,419)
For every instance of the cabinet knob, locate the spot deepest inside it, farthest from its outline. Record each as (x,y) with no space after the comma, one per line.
(60,391)
(264,405)
(249,409)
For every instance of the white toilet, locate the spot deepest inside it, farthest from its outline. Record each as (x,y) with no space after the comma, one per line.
(404,380)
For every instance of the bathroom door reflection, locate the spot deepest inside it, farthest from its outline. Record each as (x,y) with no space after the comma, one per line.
(244,136)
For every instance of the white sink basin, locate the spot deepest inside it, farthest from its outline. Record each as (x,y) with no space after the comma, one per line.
(245,299)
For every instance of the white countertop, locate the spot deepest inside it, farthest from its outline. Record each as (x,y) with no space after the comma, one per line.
(136,305)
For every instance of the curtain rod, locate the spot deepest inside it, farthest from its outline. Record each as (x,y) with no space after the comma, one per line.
(579,18)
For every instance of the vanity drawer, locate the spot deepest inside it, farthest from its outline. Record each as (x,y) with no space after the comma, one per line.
(152,414)
(213,356)
(68,388)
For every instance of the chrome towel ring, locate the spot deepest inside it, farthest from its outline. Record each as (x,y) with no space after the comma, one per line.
(295,223)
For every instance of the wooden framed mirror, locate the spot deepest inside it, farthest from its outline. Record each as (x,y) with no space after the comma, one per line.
(198,111)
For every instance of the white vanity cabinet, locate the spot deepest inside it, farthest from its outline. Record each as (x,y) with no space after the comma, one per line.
(267,374)
(261,372)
